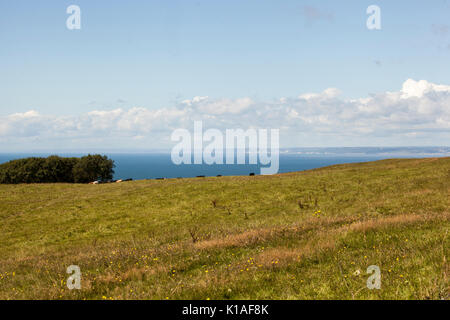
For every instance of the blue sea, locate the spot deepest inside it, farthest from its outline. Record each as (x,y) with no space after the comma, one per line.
(159,165)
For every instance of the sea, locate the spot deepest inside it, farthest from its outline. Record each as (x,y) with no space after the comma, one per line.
(153,165)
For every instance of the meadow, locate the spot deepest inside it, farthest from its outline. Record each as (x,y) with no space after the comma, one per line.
(302,235)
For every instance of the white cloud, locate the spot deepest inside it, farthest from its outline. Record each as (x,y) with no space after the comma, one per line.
(417,114)
(218,107)
(418,89)
(327,93)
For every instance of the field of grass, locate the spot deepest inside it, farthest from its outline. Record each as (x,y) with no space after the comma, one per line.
(304,235)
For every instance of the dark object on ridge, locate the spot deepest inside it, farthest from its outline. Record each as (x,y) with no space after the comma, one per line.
(252,174)
(129,179)
(219,175)
(107,181)
(159,178)
(200,176)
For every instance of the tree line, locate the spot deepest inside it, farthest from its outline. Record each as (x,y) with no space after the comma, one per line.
(57,169)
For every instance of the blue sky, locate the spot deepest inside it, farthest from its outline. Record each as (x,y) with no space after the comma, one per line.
(156,54)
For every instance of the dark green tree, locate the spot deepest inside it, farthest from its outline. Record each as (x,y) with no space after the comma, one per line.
(57,169)
(93,167)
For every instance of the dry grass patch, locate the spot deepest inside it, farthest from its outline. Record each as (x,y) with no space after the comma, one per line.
(258,236)
(326,240)
(397,220)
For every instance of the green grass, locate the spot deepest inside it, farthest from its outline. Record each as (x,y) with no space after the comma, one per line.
(259,237)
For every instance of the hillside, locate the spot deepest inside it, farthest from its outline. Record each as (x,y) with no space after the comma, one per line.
(303,235)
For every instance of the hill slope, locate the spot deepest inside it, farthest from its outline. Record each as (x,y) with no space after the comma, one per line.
(301,235)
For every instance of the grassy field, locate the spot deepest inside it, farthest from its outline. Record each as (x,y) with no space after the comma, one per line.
(304,235)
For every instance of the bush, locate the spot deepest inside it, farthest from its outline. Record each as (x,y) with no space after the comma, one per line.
(93,167)
(57,169)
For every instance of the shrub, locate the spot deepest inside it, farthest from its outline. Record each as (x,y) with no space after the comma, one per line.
(57,169)
(93,167)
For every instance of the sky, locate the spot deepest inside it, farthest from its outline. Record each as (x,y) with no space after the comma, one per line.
(137,70)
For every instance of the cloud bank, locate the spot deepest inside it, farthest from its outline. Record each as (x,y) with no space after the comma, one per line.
(417,114)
